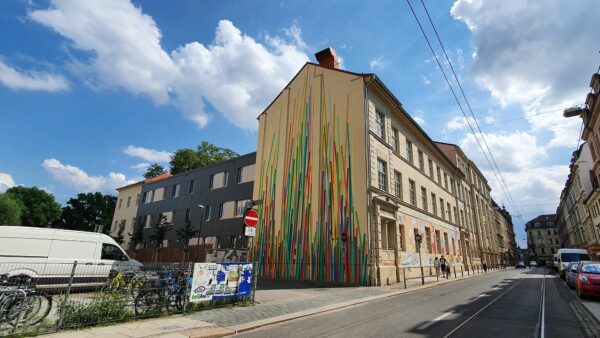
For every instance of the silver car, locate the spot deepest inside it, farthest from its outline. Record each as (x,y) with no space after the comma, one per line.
(570,273)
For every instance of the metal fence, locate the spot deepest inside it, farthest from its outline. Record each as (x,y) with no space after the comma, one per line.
(38,298)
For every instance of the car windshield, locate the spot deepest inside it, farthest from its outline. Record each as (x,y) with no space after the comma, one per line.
(574,257)
(573,266)
(591,268)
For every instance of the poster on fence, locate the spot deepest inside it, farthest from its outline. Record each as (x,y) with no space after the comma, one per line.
(221,280)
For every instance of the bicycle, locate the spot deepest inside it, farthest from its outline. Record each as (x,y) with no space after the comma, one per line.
(21,303)
(125,283)
(167,291)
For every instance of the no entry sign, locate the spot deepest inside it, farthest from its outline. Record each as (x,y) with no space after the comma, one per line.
(251,218)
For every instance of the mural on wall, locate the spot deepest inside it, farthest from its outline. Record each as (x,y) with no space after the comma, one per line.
(307,244)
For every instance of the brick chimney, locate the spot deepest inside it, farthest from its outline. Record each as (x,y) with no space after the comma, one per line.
(328,58)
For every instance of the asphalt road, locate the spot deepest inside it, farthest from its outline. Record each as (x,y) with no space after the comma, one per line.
(501,304)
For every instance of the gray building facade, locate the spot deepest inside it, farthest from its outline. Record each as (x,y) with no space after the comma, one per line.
(212,199)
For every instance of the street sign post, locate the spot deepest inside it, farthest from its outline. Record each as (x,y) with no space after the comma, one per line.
(251,218)
(249,231)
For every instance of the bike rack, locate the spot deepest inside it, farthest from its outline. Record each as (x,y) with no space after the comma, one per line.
(2,291)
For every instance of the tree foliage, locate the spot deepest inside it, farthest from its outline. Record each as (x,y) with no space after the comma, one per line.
(120,238)
(160,231)
(137,236)
(38,208)
(10,211)
(88,211)
(154,170)
(206,154)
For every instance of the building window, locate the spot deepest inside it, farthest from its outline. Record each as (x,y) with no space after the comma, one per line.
(218,180)
(120,202)
(454,213)
(442,210)
(240,207)
(207,213)
(380,125)
(175,192)
(424,198)
(148,221)
(220,215)
(192,183)
(388,235)
(398,184)
(439,176)
(395,144)
(446,244)
(437,241)
(428,239)
(245,174)
(412,192)
(402,244)
(409,151)
(449,212)
(187,216)
(430,163)
(446,181)
(128,201)
(433,204)
(421,163)
(382,174)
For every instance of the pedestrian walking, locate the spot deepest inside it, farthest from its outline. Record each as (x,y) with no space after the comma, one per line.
(436,264)
(484,263)
(447,270)
(443,264)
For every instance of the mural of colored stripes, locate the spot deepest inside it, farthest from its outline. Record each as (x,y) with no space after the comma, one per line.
(308,243)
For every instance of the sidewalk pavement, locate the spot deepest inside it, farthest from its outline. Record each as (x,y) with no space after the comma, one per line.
(272,306)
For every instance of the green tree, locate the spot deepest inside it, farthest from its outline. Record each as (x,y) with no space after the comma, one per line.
(206,154)
(38,208)
(137,236)
(120,238)
(154,170)
(185,234)
(88,211)
(161,229)
(10,211)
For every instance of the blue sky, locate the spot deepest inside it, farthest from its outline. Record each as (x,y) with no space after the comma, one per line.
(91,92)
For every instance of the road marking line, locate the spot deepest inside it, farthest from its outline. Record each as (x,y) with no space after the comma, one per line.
(481,310)
(433,321)
(540,332)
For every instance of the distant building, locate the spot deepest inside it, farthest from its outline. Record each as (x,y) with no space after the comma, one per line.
(212,198)
(543,240)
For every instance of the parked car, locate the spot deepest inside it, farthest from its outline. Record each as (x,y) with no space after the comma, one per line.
(565,256)
(47,256)
(571,273)
(587,279)
(520,265)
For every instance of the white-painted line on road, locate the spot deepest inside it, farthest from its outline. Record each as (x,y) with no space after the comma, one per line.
(481,310)
(540,332)
(433,321)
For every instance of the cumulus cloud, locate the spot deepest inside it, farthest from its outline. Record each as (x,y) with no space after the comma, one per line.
(31,80)
(535,54)
(6,182)
(425,80)
(143,166)
(80,181)
(378,63)
(459,123)
(149,155)
(235,74)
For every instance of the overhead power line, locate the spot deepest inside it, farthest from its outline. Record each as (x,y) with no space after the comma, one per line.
(493,166)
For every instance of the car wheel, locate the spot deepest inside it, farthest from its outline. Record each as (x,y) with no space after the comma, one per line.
(579,293)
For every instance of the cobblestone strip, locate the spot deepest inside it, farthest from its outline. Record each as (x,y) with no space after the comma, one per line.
(235,316)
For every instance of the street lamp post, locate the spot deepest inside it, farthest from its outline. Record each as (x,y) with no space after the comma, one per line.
(418,239)
(199,229)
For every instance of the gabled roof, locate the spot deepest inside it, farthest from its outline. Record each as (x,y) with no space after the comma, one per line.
(544,218)
(158,178)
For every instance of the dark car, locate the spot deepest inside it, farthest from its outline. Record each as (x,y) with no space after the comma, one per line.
(571,272)
(520,265)
(587,280)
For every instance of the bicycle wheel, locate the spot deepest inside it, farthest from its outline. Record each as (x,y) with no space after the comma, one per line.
(29,311)
(136,286)
(149,303)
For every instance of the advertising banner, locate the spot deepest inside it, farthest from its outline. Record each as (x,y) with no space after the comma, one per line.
(221,280)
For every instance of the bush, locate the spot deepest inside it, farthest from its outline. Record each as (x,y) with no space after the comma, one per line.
(104,307)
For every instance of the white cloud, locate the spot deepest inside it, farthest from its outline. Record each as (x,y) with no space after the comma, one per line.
(32,80)
(6,182)
(378,63)
(236,75)
(514,152)
(425,80)
(536,54)
(80,181)
(459,123)
(149,155)
(125,43)
(419,120)
(490,119)
(141,166)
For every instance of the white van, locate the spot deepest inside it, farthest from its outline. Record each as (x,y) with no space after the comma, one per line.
(565,256)
(48,256)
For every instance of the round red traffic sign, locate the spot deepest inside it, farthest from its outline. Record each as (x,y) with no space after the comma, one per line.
(251,218)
